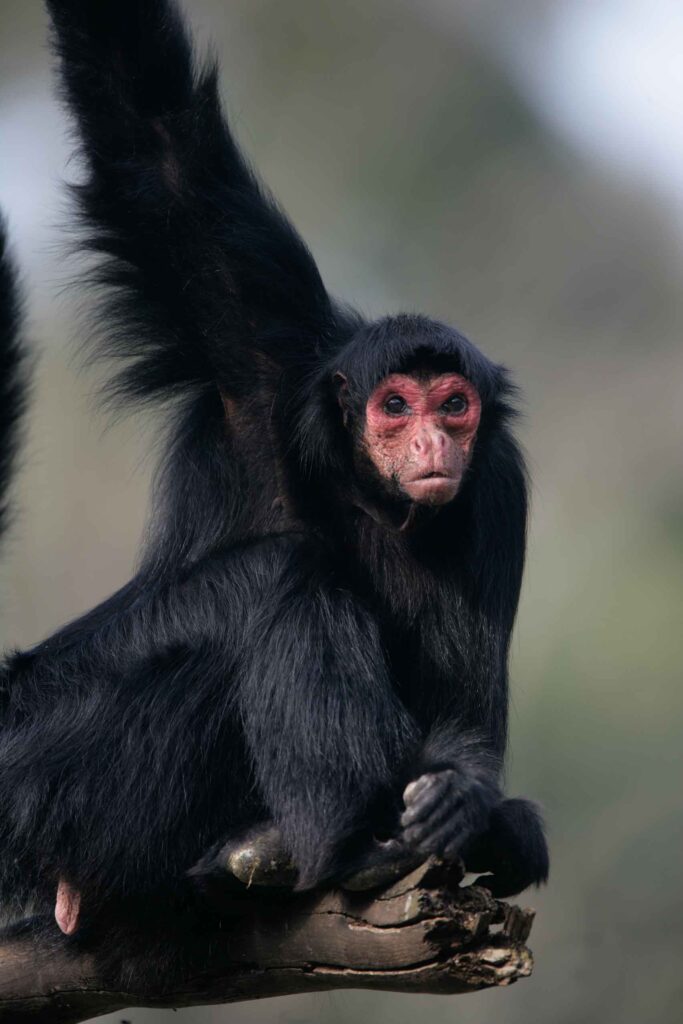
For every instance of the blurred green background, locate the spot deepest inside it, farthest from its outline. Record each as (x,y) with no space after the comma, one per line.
(515,169)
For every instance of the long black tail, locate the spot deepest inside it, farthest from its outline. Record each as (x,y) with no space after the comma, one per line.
(13,373)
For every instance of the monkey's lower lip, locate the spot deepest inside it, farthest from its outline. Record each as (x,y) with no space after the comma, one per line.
(432,489)
(432,477)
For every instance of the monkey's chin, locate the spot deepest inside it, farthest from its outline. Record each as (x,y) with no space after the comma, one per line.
(432,490)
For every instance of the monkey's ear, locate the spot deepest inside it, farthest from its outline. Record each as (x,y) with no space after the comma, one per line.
(341,388)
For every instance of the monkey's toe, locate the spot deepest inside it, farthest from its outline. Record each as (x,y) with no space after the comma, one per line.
(381,865)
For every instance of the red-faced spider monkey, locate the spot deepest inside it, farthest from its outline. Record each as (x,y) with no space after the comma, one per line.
(313,652)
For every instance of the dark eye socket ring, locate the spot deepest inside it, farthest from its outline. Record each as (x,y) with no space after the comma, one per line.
(455,405)
(395,405)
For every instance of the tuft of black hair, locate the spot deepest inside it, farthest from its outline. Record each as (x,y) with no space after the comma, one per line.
(13,373)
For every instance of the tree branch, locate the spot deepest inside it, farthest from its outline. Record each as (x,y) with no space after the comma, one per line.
(423,934)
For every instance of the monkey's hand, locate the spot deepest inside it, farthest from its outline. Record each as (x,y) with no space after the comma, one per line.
(446,809)
(513,849)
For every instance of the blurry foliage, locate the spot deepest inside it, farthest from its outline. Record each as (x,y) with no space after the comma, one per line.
(422,181)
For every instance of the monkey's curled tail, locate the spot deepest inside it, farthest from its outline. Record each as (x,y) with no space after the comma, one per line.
(13,373)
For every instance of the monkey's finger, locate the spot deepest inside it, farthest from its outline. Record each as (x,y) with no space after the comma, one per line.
(446,798)
(415,788)
(451,834)
(417,830)
(420,802)
(455,846)
(448,840)
(424,808)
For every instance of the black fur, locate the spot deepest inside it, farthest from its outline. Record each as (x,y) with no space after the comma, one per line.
(13,373)
(284,652)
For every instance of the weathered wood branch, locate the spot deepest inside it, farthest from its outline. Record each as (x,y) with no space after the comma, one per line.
(423,934)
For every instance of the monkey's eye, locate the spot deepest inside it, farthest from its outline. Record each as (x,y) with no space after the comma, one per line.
(456,405)
(395,405)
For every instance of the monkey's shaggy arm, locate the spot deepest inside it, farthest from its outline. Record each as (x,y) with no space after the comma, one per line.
(201,269)
(424,934)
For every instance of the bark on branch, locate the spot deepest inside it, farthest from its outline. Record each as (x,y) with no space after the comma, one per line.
(423,934)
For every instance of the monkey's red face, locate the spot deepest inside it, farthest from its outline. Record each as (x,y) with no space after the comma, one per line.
(420,432)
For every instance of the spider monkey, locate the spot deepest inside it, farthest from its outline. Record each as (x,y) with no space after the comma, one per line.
(313,651)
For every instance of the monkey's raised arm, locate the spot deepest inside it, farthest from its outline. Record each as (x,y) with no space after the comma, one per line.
(204,269)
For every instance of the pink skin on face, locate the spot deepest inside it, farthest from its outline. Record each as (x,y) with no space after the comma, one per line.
(420,432)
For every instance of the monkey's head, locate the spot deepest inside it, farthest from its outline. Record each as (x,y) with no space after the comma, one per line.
(413,402)
(418,431)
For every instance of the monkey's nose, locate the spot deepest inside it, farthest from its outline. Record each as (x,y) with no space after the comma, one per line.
(426,441)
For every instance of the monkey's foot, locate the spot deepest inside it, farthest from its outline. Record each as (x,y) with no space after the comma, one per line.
(381,865)
(255,857)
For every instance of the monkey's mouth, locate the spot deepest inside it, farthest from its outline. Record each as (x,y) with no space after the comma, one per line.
(435,474)
(434,488)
